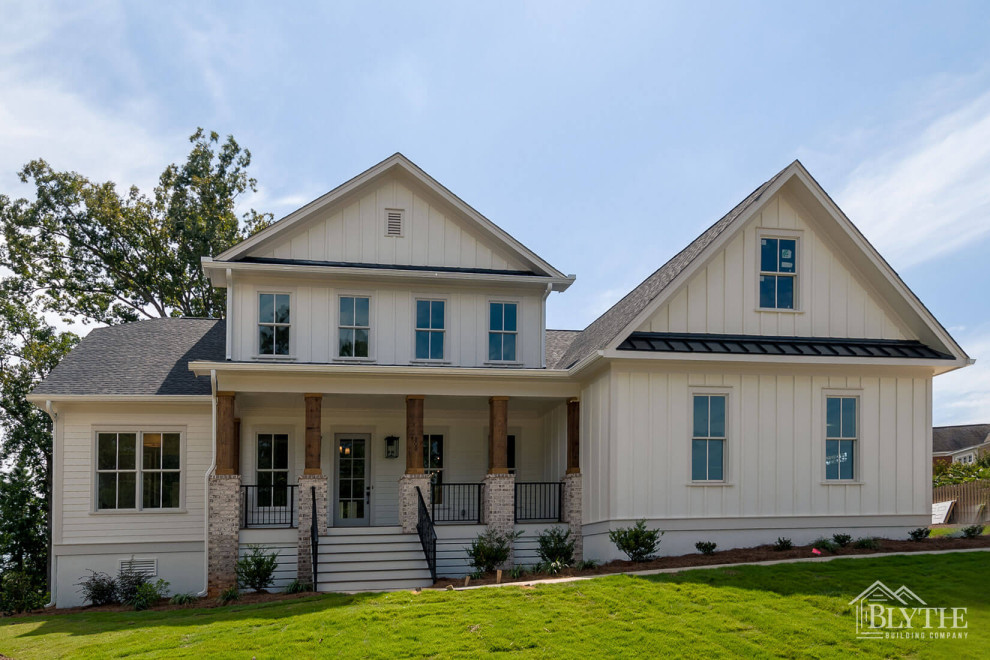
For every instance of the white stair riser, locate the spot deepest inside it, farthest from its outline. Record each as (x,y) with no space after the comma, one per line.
(347,557)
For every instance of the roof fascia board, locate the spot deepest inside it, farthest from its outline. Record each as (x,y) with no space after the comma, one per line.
(201,368)
(119,398)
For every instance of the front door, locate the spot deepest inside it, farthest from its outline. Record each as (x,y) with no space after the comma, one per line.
(352,499)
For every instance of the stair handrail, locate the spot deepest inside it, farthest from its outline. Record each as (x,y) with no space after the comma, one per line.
(427,534)
(314,537)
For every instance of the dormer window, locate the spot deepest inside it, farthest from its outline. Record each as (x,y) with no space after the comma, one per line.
(273,324)
(778,273)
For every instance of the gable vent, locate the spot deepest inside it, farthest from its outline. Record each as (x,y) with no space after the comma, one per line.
(148,567)
(393,222)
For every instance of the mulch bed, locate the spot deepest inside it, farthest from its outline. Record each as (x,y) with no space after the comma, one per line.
(734,556)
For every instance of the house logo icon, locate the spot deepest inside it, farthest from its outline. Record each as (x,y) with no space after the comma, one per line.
(885,613)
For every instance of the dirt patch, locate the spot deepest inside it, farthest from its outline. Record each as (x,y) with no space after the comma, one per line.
(734,556)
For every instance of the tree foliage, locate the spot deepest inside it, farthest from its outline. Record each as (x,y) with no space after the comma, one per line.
(958,473)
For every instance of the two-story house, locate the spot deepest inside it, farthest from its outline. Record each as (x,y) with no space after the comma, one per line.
(384,374)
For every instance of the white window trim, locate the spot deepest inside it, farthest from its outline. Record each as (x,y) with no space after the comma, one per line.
(289,472)
(727,454)
(487,331)
(800,273)
(827,393)
(446,330)
(138,470)
(335,348)
(258,355)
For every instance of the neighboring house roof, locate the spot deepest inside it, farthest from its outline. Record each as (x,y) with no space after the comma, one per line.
(142,358)
(950,439)
(557,344)
(680,342)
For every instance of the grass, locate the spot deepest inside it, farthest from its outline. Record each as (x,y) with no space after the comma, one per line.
(788,610)
(955,530)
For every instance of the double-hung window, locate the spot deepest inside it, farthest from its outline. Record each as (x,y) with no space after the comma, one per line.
(273,323)
(778,273)
(116,470)
(354,327)
(708,438)
(138,471)
(160,470)
(502,332)
(841,434)
(433,463)
(429,329)
(273,469)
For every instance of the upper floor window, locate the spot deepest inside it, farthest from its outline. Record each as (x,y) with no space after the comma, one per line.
(502,332)
(273,324)
(841,433)
(778,272)
(429,329)
(708,438)
(354,326)
(138,471)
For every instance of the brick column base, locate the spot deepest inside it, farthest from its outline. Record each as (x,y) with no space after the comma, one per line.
(409,501)
(224,530)
(307,483)
(499,507)
(570,498)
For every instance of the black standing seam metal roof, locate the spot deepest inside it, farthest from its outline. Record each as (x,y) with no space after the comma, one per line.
(675,342)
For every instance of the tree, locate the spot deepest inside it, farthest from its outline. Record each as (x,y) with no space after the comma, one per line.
(97,255)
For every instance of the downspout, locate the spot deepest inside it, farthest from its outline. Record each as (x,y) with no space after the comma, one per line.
(206,488)
(543,327)
(50,409)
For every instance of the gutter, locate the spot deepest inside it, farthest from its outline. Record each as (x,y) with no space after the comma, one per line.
(206,488)
(52,585)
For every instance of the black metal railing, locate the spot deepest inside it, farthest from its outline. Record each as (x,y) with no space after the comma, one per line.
(314,538)
(538,501)
(268,506)
(456,503)
(427,535)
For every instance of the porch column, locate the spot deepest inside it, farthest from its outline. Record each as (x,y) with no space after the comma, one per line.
(500,486)
(312,486)
(224,501)
(570,496)
(415,477)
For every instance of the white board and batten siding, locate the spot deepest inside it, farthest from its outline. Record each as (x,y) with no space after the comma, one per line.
(833,300)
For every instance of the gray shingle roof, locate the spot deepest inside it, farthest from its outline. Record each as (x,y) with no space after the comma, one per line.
(607,326)
(145,357)
(558,341)
(954,438)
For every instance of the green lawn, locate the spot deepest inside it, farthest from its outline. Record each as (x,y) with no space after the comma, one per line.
(791,610)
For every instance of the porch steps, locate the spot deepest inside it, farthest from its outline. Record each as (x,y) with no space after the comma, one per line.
(371,559)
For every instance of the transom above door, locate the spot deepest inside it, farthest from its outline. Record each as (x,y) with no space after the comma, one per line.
(352,490)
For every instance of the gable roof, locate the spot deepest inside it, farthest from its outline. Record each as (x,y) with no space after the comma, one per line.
(141,358)
(396,162)
(947,439)
(609,329)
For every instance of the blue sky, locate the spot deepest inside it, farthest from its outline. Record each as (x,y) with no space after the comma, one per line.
(603,135)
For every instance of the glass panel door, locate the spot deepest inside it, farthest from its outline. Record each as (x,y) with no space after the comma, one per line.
(352,498)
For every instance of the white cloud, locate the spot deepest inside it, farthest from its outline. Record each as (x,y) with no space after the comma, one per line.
(963,396)
(930,197)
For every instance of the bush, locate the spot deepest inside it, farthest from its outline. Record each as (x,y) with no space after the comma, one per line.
(972,531)
(841,540)
(148,594)
(706,547)
(549,567)
(919,534)
(257,569)
(228,596)
(867,543)
(782,543)
(556,546)
(128,583)
(297,587)
(587,565)
(18,594)
(490,550)
(517,572)
(825,545)
(99,589)
(637,542)
(182,599)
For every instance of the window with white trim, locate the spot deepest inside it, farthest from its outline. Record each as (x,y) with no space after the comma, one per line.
(841,434)
(138,470)
(430,329)
(273,469)
(433,463)
(502,325)
(273,323)
(708,438)
(160,470)
(354,327)
(778,273)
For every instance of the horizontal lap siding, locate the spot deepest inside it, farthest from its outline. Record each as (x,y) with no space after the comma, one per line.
(287,568)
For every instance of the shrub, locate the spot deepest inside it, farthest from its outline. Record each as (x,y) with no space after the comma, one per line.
(148,594)
(549,567)
(297,587)
(17,594)
(556,545)
(637,542)
(706,547)
(99,589)
(228,596)
(867,543)
(825,545)
(182,599)
(972,531)
(782,543)
(841,540)
(919,534)
(587,564)
(490,550)
(257,568)
(517,572)
(128,583)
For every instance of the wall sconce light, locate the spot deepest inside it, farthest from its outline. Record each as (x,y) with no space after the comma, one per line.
(392,446)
